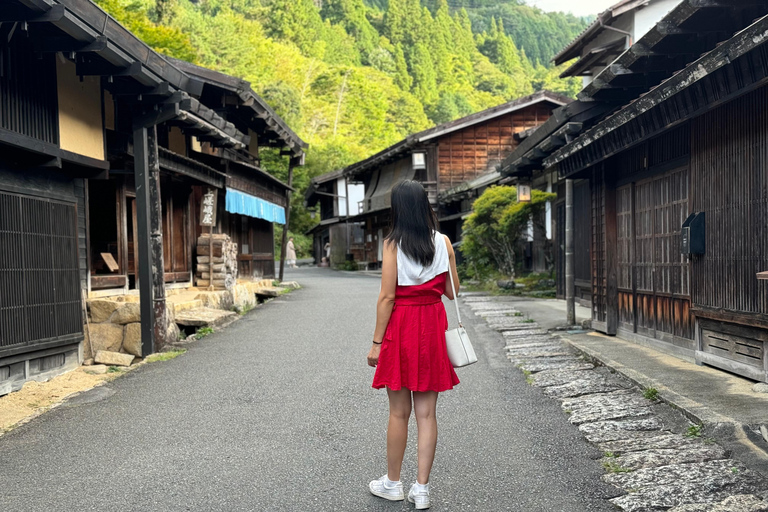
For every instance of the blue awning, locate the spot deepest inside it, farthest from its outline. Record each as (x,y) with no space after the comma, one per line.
(246,204)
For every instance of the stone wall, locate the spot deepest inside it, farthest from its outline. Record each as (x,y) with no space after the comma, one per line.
(115,326)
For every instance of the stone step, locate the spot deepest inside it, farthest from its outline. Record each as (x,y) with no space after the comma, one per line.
(204,317)
(269,292)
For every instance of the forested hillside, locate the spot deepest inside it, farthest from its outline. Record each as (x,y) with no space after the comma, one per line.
(352,77)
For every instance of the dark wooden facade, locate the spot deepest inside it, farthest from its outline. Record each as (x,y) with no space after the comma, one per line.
(74,86)
(458,158)
(694,145)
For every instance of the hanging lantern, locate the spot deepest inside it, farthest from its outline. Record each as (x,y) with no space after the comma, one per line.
(523,192)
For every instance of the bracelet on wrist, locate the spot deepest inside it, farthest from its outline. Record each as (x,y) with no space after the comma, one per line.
(377,342)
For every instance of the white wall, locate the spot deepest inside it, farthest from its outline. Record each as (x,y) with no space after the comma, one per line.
(356,194)
(648,16)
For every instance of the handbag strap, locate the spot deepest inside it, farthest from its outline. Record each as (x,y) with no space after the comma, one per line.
(455,297)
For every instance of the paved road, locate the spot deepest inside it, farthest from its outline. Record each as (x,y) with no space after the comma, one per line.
(276,413)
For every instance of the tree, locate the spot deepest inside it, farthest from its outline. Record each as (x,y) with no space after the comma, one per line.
(402,78)
(350,14)
(493,231)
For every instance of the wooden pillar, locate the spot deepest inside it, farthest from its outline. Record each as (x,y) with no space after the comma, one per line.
(611,249)
(142,242)
(156,242)
(570,302)
(293,162)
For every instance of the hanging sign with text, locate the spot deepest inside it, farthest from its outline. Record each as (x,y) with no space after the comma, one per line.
(208,209)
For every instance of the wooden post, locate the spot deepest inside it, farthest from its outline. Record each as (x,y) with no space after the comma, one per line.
(156,240)
(349,205)
(142,242)
(149,234)
(293,162)
(611,249)
(570,302)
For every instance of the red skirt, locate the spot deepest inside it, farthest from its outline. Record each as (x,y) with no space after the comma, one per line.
(413,353)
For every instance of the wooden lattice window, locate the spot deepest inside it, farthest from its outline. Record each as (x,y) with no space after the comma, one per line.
(39,273)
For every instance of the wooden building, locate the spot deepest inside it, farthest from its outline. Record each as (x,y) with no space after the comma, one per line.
(679,198)
(106,149)
(334,199)
(443,158)
(615,75)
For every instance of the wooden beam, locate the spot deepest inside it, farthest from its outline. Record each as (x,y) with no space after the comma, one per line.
(48,45)
(611,251)
(55,13)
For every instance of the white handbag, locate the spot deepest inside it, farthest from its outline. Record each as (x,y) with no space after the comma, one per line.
(460,350)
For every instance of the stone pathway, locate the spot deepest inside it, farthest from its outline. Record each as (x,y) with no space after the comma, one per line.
(657,467)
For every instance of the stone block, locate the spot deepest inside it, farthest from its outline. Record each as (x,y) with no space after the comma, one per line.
(664,441)
(172,333)
(606,406)
(570,364)
(113,358)
(656,457)
(128,313)
(106,336)
(290,284)
(739,503)
(760,387)
(88,362)
(603,431)
(102,309)
(558,377)
(132,339)
(97,369)
(590,383)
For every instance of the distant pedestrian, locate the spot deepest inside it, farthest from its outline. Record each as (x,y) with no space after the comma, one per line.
(409,350)
(290,253)
(328,250)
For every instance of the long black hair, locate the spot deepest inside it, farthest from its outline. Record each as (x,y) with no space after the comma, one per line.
(413,222)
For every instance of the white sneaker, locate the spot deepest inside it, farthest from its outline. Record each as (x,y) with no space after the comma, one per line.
(420,497)
(380,488)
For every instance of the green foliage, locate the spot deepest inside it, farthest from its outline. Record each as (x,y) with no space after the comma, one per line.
(167,355)
(651,394)
(694,431)
(493,230)
(354,76)
(203,332)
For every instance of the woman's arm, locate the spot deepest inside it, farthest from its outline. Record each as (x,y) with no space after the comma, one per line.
(386,299)
(454,273)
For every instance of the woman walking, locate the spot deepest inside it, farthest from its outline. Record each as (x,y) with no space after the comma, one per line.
(408,349)
(290,253)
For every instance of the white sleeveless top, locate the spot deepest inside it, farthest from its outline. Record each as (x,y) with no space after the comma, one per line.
(411,273)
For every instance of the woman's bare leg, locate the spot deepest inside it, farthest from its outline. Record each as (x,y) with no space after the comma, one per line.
(397,430)
(425,404)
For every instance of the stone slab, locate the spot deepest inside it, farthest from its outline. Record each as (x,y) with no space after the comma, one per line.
(525,332)
(589,384)
(606,406)
(96,369)
(738,503)
(666,441)
(269,292)
(486,298)
(615,430)
(662,498)
(656,457)
(203,317)
(490,306)
(711,475)
(541,344)
(548,378)
(540,365)
(113,358)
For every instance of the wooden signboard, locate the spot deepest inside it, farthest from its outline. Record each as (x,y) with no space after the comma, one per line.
(208,208)
(110,261)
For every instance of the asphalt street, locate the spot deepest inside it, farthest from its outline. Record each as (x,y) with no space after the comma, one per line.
(276,412)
